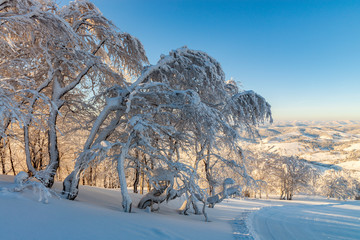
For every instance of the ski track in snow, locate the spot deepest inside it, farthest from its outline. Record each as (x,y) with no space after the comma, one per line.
(240,228)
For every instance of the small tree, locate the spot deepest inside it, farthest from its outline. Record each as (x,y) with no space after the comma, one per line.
(288,174)
(338,184)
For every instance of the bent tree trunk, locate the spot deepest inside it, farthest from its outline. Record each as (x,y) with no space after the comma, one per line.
(71,186)
(71,182)
(208,175)
(118,104)
(54,161)
(47,176)
(126,199)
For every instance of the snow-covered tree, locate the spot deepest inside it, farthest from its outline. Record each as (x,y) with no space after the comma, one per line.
(288,175)
(258,170)
(231,110)
(338,184)
(180,113)
(61,52)
(165,113)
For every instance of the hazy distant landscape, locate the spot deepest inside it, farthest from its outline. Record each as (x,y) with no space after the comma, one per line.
(331,144)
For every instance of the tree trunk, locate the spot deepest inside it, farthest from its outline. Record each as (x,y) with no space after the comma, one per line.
(71,182)
(282,197)
(136,181)
(54,160)
(105,183)
(208,175)
(152,168)
(142,176)
(2,153)
(208,178)
(29,165)
(71,185)
(94,177)
(142,181)
(41,152)
(148,185)
(4,127)
(11,160)
(33,155)
(90,176)
(126,199)
(137,169)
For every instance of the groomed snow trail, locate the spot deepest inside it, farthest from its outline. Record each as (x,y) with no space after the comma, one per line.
(298,221)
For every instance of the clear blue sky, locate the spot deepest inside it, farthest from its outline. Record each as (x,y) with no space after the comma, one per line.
(302,56)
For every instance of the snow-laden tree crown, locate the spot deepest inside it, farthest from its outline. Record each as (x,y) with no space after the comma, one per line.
(172,117)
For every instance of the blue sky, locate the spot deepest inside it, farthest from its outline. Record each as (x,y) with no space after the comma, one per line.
(302,56)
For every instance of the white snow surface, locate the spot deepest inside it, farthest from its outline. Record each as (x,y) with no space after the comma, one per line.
(353,147)
(309,220)
(97,214)
(324,156)
(287,148)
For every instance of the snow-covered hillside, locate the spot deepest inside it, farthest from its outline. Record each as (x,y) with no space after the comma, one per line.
(96,214)
(335,143)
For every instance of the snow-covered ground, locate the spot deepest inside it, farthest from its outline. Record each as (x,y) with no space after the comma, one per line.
(96,214)
(353,147)
(304,219)
(287,148)
(324,157)
(353,166)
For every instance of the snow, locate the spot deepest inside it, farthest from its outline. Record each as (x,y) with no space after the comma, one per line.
(353,147)
(350,165)
(353,166)
(21,178)
(295,220)
(97,214)
(287,148)
(325,157)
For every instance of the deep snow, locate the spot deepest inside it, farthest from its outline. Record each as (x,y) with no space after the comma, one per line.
(97,214)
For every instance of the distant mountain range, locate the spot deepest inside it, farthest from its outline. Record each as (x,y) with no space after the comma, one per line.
(333,144)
